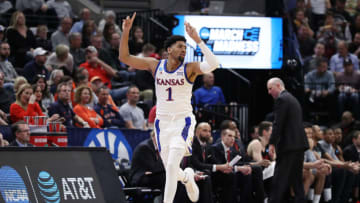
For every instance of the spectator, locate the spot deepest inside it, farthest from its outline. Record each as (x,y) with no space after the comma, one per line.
(319,83)
(318,11)
(85,16)
(96,41)
(95,85)
(61,59)
(306,42)
(38,97)
(109,29)
(301,19)
(355,26)
(55,77)
(136,42)
(339,9)
(76,50)
(83,96)
(97,67)
(337,60)
(36,66)
(132,115)
(25,105)
(47,98)
(336,144)
(348,83)
(109,113)
(61,35)
(209,94)
(21,40)
(3,142)
(63,109)
(5,6)
(18,82)
(62,8)
(37,11)
(21,131)
(310,61)
(6,99)
(41,38)
(5,66)
(69,81)
(89,29)
(354,46)
(110,17)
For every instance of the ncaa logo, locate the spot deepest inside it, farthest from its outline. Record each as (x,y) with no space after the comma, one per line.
(204,33)
(113,140)
(12,186)
(48,188)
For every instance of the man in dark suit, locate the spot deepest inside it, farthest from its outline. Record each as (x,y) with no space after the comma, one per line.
(21,131)
(147,169)
(226,183)
(289,139)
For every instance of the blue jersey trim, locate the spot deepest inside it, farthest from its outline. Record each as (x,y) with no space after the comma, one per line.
(186,77)
(173,70)
(185,131)
(158,133)
(157,67)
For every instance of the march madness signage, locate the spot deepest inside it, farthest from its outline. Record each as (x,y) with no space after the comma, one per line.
(44,175)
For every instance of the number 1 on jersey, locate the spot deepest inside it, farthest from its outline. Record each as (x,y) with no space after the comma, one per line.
(169,94)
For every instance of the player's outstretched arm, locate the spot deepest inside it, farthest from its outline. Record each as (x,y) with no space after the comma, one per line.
(146,63)
(211,62)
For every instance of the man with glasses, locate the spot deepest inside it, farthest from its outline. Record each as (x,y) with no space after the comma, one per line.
(21,131)
(63,108)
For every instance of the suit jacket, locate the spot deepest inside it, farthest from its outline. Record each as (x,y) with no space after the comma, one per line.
(288,132)
(15,144)
(145,158)
(218,154)
(350,153)
(197,160)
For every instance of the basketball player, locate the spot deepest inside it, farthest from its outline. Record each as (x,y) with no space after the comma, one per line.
(174,122)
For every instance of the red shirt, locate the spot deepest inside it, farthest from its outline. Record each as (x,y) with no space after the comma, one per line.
(152,115)
(17,113)
(97,71)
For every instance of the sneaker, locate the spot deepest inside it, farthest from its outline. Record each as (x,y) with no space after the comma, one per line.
(190,185)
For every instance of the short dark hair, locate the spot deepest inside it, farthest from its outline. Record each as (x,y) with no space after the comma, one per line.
(265,125)
(356,134)
(60,85)
(320,60)
(130,87)
(16,127)
(102,87)
(172,40)
(225,124)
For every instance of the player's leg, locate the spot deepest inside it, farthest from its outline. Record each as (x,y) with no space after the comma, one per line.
(173,172)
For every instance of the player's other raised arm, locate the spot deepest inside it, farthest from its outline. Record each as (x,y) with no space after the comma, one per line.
(211,62)
(146,63)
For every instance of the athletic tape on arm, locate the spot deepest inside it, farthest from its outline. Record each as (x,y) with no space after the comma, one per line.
(210,63)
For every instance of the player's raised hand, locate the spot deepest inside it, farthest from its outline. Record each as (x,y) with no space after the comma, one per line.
(127,22)
(191,31)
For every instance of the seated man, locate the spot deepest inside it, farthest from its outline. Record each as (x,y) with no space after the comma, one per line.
(109,113)
(320,85)
(6,99)
(63,108)
(348,83)
(226,183)
(132,114)
(21,131)
(209,94)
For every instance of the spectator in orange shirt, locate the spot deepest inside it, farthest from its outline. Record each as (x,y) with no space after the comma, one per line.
(97,67)
(83,96)
(26,105)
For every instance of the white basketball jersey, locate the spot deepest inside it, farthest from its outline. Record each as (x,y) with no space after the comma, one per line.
(173,90)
